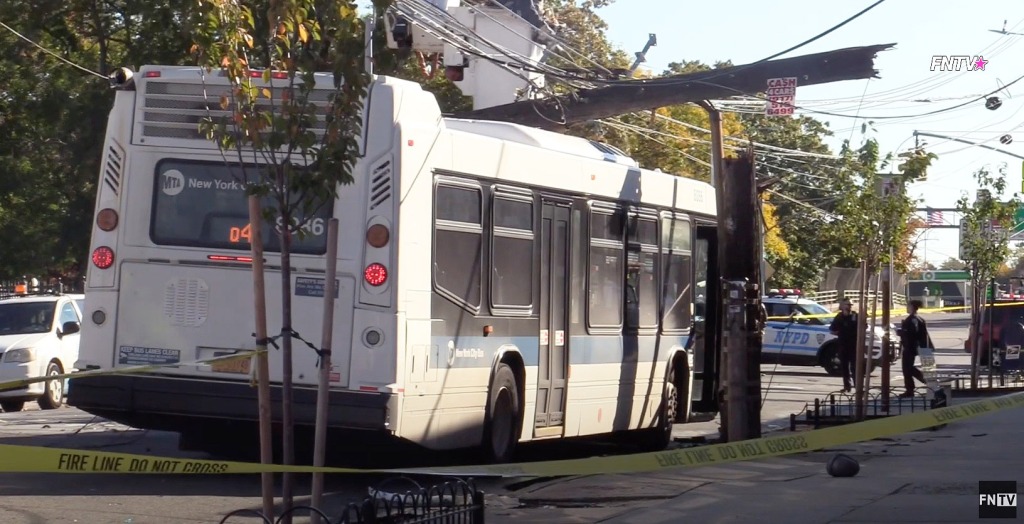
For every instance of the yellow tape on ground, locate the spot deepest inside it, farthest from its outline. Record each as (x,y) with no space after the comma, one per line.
(20,383)
(27,459)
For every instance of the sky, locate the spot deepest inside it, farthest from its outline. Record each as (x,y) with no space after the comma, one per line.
(745,31)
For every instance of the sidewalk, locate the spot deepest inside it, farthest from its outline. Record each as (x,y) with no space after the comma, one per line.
(926,476)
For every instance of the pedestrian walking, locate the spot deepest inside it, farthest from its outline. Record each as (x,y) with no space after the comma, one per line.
(844,327)
(913,336)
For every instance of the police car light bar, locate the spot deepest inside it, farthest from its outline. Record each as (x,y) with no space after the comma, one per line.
(785,292)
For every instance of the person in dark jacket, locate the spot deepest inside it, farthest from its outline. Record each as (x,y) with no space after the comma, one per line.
(913,336)
(844,327)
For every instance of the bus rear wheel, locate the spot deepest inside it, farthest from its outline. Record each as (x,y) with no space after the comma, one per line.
(501,431)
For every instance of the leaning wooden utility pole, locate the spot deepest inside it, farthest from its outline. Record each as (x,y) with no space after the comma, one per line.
(860,354)
(262,359)
(628,96)
(738,226)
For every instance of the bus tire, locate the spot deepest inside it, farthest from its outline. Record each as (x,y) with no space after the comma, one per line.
(501,429)
(659,437)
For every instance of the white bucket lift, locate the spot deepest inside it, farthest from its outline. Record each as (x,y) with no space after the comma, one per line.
(478,69)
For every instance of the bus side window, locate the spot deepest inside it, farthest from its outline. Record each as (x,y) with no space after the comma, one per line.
(677,263)
(458,244)
(512,244)
(642,248)
(606,279)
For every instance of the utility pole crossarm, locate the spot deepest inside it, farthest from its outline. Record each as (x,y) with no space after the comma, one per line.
(628,96)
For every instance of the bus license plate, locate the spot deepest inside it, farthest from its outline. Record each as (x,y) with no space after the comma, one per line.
(240,366)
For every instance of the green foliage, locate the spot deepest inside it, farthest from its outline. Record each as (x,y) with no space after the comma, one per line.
(953,264)
(984,246)
(874,224)
(53,117)
(804,179)
(578,24)
(302,166)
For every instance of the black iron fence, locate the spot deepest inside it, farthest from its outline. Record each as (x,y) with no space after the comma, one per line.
(454,502)
(841,407)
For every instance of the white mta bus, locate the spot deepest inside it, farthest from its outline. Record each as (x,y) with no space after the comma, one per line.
(497,284)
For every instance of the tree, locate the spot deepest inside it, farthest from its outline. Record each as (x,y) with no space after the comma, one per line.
(953,264)
(300,170)
(985,243)
(874,224)
(53,116)
(809,196)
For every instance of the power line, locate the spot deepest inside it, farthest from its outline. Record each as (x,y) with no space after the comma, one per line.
(51,53)
(878,117)
(821,35)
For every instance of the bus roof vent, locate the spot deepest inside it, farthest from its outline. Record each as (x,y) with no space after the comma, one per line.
(172,111)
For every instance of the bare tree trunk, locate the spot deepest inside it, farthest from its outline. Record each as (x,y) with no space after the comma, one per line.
(975,329)
(858,382)
(262,360)
(287,418)
(869,364)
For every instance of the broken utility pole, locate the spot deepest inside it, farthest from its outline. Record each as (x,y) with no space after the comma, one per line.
(628,96)
(738,227)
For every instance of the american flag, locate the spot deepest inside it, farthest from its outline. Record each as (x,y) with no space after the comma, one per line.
(934,218)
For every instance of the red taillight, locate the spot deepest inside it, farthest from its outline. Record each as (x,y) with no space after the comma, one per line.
(375,274)
(152,74)
(228,258)
(103,257)
(280,75)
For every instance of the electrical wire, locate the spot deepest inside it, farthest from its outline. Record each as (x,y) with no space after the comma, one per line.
(551,35)
(878,117)
(821,35)
(524,37)
(51,53)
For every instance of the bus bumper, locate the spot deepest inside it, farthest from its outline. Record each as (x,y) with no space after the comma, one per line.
(167,403)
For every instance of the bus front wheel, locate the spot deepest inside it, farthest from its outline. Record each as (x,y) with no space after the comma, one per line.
(501,431)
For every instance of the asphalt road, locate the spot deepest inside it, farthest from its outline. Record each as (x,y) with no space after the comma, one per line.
(137,499)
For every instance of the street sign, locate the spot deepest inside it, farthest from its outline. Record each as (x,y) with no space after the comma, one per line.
(1018,220)
(952,275)
(781,96)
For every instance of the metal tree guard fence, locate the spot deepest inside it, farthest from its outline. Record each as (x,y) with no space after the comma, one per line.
(454,502)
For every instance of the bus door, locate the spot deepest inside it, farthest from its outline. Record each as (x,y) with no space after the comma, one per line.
(706,326)
(553,364)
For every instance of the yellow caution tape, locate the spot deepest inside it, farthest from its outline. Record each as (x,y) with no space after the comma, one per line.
(27,459)
(901,312)
(20,383)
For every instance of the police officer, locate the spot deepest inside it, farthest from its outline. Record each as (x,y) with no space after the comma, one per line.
(913,336)
(844,327)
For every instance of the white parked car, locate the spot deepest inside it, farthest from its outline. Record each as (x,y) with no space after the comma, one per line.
(39,336)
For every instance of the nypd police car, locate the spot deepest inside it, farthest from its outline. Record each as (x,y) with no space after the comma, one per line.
(797,333)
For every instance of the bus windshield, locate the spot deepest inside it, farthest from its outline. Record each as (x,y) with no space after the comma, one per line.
(204,204)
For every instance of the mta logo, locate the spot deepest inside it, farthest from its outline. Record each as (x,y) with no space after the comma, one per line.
(958,63)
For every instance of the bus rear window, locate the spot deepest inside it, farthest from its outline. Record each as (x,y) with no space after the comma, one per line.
(204,204)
